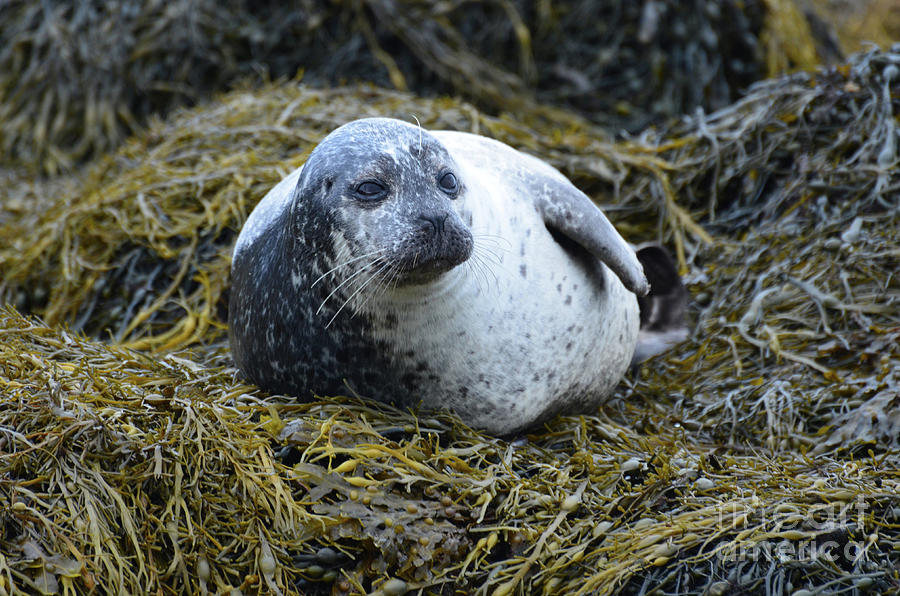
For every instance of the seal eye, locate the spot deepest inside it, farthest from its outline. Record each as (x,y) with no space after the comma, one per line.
(370,190)
(448,183)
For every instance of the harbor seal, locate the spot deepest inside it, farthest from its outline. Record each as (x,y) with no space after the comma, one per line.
(436,269)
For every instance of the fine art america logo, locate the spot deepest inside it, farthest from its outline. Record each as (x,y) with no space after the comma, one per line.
(822,532)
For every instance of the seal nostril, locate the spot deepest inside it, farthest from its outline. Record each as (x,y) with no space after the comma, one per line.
(436,221)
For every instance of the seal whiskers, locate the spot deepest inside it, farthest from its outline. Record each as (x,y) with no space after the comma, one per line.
(347,280)
(345,263)
(383,284)
(357,291)
(419,124)
(484,255)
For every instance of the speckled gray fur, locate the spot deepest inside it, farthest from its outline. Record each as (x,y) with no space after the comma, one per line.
(465,301)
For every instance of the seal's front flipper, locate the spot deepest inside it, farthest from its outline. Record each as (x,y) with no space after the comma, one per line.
(663,309)
(568,211)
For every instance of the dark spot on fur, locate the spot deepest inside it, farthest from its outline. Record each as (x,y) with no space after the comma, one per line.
(536,377)
(568,346)
(559,288)
(522,269)
(568,300)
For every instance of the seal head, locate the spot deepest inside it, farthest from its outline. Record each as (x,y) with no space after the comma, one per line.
(381,196)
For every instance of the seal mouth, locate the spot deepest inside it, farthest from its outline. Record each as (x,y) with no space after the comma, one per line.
(422,271)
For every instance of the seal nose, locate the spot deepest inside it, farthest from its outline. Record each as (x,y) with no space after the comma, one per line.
(436,222)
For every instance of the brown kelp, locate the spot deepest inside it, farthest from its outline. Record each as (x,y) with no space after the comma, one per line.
(860,24)
(77,77)
(127,473)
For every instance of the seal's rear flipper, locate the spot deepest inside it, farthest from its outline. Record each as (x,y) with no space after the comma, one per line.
(663,309)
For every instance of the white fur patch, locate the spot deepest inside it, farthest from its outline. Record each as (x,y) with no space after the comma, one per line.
(267,211)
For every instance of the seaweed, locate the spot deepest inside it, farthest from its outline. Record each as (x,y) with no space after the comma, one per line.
(121,472)
(861,24)
(76,78)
